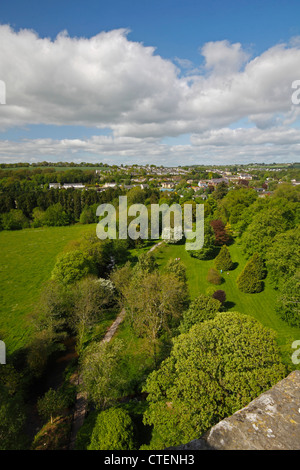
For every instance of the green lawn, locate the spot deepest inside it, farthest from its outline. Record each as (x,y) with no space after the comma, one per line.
(27,259)
(260,306)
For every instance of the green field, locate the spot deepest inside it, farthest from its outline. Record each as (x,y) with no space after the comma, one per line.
(261,306)
(27,259)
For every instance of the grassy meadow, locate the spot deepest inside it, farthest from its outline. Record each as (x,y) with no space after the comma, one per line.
(27,259)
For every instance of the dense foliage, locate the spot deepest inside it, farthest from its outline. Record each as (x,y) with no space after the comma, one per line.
(216,368)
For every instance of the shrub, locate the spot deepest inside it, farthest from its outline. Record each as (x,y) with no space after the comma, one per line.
(223,261)
(250,279)
(14,220)
(219,295)
(214,277)
(113,431)
(201,308)
(73,266)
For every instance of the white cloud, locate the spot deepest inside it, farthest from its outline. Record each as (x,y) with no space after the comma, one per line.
(108,81)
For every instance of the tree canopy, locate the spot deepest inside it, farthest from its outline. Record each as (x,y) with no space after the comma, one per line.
(215,369)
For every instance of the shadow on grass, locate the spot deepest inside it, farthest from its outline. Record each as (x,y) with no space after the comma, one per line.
(235,265)
(228,305)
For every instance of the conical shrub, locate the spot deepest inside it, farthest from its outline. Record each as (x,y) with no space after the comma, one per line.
(223,260)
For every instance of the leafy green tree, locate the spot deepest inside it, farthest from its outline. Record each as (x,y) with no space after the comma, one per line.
(55,306)
(155,303)
(176,267)
(202,308)
(73,266)
(215,369)
(12,410)
(288,301)
(55,216)
(146,264)
(283,256)
(14,220)
(88,215)
(51,404)
(113,431)
(38,216)
(45,342)
(223,261)
(209,247)
(91,298)
(264,227)
(220,191)
(250,279)
(103,373)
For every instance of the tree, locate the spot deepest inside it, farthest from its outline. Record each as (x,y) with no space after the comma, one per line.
(219,295)
(91,298)
(215,369)
(103,373)
(209,247)
(283,256)
(214,277)
(12,410)
(38,217)
(221,235)
(113,431)
(73,266)
(220,191)
(51,404)
(55,306)
(202,308)
(288,301)
(146,264)
(155,303)
(14,220)
(264,227)
(88,215)
(176,267)
(55,216)
(223,261)
(250,279)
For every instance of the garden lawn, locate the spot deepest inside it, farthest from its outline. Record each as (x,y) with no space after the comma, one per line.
(27,259)
(261,306)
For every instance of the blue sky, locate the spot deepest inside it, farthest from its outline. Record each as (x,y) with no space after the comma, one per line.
(207,57)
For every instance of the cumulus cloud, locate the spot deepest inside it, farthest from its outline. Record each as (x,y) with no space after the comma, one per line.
(108,81)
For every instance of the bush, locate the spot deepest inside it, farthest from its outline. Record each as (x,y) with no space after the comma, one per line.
(250,279)
(223,261)
(219,295)
(73,266)
(201,308)
(14,220)
(113,431)
(214,277)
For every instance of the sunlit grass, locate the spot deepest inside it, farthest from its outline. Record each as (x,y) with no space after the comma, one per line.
(27,259)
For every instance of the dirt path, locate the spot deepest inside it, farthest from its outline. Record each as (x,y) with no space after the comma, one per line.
(81,399)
